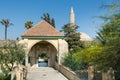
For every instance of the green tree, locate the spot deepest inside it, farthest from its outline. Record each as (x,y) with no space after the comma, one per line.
(90,56)
(110,32)
(11,54)
(107,53)
(28,24)
(74,44)
(109,36)
(6,23)
(47,18)
(73,63)
(112,6)
(72,37)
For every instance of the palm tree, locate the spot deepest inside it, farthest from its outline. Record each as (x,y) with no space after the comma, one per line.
(28,24)
(6,23)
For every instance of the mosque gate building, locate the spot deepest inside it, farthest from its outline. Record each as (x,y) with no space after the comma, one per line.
(44,39)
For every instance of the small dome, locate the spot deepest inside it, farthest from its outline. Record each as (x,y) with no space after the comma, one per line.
(85,37)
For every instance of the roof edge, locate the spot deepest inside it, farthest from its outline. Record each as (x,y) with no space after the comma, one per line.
(42,37)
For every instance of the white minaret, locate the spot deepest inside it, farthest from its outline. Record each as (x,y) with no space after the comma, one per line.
(72,18)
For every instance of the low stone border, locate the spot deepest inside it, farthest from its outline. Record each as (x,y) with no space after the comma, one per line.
(67,72)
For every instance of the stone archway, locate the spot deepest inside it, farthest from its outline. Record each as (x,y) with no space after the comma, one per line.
(40,48)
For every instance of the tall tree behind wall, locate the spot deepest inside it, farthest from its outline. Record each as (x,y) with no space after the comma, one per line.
(6,23)
(47,18)
(28,24)
(72,37)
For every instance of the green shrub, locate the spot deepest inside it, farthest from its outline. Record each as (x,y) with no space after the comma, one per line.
(70,62)
(7,77)
(2,77)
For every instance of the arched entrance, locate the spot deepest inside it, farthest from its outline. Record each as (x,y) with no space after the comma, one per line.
(42,51)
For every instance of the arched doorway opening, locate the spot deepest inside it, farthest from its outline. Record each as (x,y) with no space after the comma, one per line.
(43,60)
(42,51)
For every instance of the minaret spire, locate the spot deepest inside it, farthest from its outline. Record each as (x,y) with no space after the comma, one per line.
(72,18)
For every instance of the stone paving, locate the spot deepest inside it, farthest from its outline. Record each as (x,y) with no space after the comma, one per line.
(44,73)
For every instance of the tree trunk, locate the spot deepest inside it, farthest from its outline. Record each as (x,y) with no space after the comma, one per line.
(5,32)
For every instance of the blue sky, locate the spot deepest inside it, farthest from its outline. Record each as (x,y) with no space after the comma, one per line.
(20,11)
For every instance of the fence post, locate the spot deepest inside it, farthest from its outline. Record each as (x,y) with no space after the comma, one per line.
(91,73)
(104,75)
(108,75)
(111,74)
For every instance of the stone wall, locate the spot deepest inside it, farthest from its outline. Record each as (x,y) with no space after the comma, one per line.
(67,72)
(62,50)
(60,45)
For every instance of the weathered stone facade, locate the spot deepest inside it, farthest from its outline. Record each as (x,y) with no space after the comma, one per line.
(54,48)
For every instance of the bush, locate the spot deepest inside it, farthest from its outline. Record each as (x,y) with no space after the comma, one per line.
(3,77)
(70,62)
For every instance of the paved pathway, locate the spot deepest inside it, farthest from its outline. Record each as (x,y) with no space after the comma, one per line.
(44,73)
